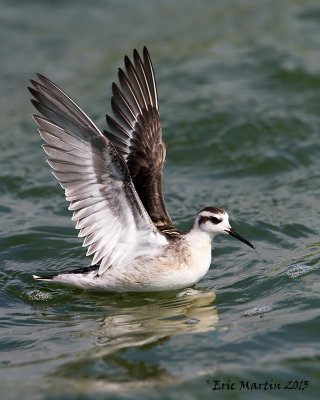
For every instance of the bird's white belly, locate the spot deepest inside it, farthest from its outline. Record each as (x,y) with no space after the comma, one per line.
(167,272)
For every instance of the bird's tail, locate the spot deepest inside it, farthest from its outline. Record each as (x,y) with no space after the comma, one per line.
(43,278)
(48,278)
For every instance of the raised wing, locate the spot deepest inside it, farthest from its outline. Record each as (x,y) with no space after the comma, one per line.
(135,132)
(109,214)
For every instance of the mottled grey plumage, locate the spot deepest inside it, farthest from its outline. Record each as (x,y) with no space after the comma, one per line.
(135,131)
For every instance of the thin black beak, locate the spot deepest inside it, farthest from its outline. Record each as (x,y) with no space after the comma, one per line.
(237,236)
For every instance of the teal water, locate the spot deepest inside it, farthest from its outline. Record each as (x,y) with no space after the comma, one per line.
(239,92)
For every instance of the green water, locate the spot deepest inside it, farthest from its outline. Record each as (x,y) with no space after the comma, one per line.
(239,92)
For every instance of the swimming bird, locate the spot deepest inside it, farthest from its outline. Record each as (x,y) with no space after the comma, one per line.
(113,182)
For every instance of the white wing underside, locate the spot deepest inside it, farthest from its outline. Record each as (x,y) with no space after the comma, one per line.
(107,210)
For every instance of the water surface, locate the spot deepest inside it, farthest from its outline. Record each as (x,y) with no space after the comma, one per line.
(239,86)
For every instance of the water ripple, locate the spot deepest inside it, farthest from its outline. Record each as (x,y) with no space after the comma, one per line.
(260,309)
(299,270)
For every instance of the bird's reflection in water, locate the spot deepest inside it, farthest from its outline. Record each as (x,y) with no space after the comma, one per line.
(139,321)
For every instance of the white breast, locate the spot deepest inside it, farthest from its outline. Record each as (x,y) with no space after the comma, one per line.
(185,264)
(199,244)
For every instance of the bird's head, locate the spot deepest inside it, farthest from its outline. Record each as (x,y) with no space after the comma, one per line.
(215,221)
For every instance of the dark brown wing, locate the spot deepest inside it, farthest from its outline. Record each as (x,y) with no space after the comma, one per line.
(135,132)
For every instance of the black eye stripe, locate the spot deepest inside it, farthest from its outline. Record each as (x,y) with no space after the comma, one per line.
(203,219)
(213,220)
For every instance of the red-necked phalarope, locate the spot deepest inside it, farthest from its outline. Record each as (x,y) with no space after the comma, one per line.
(113,181)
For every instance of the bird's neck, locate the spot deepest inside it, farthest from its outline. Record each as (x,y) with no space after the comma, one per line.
(198,236)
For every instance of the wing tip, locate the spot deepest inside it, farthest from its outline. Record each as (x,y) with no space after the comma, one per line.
(42,78)
(145,50)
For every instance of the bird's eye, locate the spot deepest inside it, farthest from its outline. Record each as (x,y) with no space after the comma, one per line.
(215,220)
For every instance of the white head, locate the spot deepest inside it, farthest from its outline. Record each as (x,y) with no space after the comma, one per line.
(215,221)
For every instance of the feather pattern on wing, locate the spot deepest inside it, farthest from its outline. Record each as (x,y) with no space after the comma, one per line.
(97,183)
(135,132)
